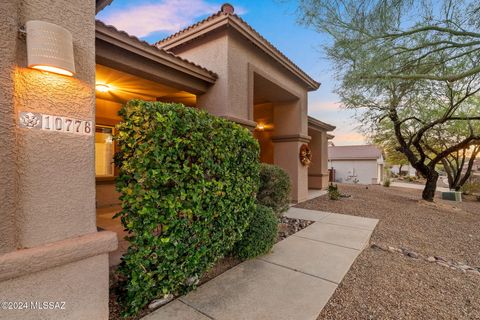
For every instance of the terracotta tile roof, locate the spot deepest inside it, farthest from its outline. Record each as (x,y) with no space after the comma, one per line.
(354,152)
(221,13)
(150,46)
(193,26)
(101,4)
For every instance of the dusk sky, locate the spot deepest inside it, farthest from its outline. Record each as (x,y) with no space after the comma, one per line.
(276,20)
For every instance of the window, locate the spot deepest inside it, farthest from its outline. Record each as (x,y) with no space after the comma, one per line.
(104,151)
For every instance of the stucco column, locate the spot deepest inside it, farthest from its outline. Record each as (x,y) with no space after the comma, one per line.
(318,169)
(290,126)
(52,252)
(286,156)
(8,38)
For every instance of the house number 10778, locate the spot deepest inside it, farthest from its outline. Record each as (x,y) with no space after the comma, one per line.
(49,122)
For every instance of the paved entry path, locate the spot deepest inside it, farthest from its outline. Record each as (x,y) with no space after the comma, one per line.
(415,186)
(295,281)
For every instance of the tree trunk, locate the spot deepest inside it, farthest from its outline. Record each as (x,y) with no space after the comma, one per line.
(468,171)
(448,170)
(430,186)
(400,170)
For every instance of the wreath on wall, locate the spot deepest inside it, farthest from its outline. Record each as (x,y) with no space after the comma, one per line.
(305,155)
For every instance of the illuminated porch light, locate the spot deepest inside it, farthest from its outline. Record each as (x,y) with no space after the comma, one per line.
(53,70)
(102,87)
(49,48)
(260,127)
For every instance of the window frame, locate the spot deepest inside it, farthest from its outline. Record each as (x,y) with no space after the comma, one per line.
(114,168)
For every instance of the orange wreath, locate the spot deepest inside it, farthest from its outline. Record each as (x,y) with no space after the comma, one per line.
(305,155)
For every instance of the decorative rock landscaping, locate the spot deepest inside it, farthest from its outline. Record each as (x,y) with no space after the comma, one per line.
(454,265)
(289,226)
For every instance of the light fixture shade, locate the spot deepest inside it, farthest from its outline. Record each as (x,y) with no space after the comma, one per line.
(49,48)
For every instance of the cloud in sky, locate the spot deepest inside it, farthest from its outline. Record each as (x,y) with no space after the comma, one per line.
(144,18)
(348,138)
(319,106)
(346,132)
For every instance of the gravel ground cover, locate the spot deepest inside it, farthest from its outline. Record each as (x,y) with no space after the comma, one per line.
(385,284)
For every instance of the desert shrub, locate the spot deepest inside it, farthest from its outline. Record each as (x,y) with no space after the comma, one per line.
(274,189)
(333,192)
(387,182)
(260,235)
(188,182)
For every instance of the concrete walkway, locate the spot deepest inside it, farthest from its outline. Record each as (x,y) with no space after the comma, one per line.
(295,281)
(415,186)
(314,193)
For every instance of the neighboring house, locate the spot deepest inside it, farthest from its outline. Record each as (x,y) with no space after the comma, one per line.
(407,170)
(356,164)
(53,176)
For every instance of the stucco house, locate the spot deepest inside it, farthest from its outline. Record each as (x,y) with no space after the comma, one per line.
(222,65)
(56,132)
(362,164)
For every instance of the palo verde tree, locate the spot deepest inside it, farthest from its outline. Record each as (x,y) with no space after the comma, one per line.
(459,165)
(413,64)
(385,139)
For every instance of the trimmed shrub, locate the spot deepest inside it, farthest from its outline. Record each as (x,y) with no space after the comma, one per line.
(274,190)
(260,235)
(188,182)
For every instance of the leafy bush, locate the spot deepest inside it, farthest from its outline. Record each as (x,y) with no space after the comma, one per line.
(333,192)
(188,182)
(260,235)
(274,190)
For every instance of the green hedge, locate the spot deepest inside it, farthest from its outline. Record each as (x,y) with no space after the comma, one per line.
(188,182)
(260,235)
(274,190)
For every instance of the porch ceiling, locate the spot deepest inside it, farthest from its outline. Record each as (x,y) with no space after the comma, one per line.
(125,86)
(265,91)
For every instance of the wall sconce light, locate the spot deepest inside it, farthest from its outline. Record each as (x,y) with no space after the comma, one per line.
(102,87)
(49,48)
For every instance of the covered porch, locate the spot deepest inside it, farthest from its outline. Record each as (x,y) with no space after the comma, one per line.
(128,68)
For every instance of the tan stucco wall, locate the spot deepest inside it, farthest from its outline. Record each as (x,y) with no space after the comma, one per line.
(243,59)
(287,157)
(56,171)
(48,179)
(82,276)
(8,40)
(236,60)
(318,170)
(212,54)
